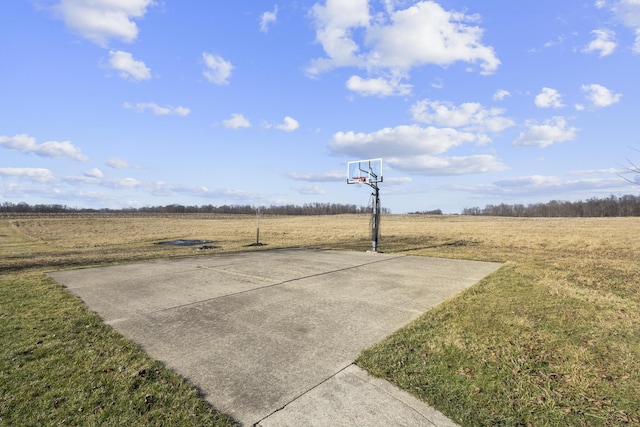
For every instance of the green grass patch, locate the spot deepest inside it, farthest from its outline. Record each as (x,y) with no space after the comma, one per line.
(61,365)
(517,349)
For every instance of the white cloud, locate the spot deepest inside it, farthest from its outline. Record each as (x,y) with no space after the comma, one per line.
(549,98)
(160,188)
(555,42)
(552,131)
(268,18)
(158,110)
(31,174)
(157,188)
(118,163)
(501,94)
(605,171)
(469,115)
(236,121)
(425,33)
(604,42)
(529,181)
(94,173)
(600,96)
(334,22)
(547,186)
(397,180)
(129,68)
(52,149)
(331,176)
(74,180)
(401,141)
(122,183)
(377,86)
(394,41)
(446,166)
(101,20)
(27,190)
(628,12)
(288,125)
(312,190)
(217,69)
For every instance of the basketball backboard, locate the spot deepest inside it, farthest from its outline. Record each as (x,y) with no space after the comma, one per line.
(364,171)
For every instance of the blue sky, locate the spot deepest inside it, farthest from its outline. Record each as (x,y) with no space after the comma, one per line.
(130,103)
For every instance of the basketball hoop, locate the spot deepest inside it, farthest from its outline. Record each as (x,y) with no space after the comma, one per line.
(368,172)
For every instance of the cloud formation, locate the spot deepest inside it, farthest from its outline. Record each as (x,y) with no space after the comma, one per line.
(468,116)
(217,70)
(128,67)
(552,131)
(52,149)
(94,173)
(404,141)
(40,175)
(420,150)
(501,94)
(600,96)
(268,18)
(397,180)
(118,163)
(289,124)
(446,166)
(378,86)
(100,21)
(544,185)
(628,12)
(236,121)
(331,176)
(604,42)
(156,109)
(312,190)
(395,41)
(548,98)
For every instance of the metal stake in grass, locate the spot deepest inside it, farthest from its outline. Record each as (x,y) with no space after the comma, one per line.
(258,225)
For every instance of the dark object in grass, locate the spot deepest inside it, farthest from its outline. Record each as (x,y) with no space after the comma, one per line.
(205,247)
(181,242)
(257,244)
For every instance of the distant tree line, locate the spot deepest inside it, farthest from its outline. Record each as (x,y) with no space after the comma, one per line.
(433,212)
(611,206)
(306,209)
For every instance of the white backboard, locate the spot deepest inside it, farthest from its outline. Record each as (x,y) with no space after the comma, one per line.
(364,171)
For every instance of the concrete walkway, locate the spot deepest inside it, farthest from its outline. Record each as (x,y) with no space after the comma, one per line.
(270,337)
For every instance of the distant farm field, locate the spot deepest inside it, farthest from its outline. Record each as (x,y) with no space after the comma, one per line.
(552,338)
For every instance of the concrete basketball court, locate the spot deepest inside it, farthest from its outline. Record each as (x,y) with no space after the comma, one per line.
(270,337)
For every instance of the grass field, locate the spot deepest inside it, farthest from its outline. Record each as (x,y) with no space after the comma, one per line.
(552,338)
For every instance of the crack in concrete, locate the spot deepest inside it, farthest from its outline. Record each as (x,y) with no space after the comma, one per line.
(257,424)
(284,282)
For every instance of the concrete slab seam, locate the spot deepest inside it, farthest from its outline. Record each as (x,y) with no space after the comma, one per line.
(257,424)
(284,282)
(371,380)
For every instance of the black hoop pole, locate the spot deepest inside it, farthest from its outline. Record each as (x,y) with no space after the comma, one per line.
(375,223)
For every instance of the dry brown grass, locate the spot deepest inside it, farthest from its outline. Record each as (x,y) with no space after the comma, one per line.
(42,241)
